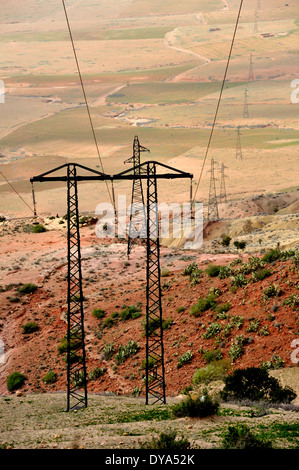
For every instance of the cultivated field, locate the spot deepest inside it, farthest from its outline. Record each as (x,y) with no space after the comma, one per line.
(154,70)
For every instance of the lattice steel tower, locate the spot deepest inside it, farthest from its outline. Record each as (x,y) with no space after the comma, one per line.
(76,363)
(137,224)
(155,373)
(256,28)
(76,360)
(246,107)
(222,194)
(213,213)
(239,153)
(76,370)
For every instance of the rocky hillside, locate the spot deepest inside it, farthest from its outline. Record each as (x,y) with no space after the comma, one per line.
(235,307)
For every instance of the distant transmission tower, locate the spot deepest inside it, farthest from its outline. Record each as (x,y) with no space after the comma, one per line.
(138,221)
(256,28)
(251,74)
(239,153)
(258,5)
(246,108)
(222,194)
(213,213)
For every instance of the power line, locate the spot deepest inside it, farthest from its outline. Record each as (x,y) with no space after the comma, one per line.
(220,97)
(112,199)
(17,192)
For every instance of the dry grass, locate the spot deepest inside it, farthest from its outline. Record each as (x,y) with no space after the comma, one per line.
(37,421)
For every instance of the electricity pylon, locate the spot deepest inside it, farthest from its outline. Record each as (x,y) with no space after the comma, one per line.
(137,224)
(239,153)
(246,107)
(76,361)
(213,213)
(155,371)
(256,28)
(222,193)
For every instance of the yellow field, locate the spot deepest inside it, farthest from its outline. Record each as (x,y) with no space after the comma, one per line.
(151,69)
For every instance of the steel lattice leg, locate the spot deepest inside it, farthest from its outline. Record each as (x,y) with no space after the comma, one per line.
(76,365)
(155,373)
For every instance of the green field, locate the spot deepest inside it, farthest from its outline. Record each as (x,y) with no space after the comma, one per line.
(161,93)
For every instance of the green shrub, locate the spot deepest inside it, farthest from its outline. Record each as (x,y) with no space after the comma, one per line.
(212,270)
(152,362)
(126,351)
(272,255)
(224,272)
(227,329)
(213,355)
(108,351)
(253,264)
(185,359)
(261,274)
(195,277)
(109,322)
(190,269)
(75,343)
(215,370)
(97,372)
(78,298)
(215,291)
(272,291)
(30,327)
(223,307)
(79,380)
(240,245)
(263,331)
(168,441)
(198,407)
(275,362)
(180,309)
(237,321)
(83,219)
(292,301)
(226,240)
(253,326)
(276,255)
(136,391)
(154,324)
(50,377)
(98,313)
(15,381)
(255,384)
(237,348)
(165,272)
(194,273)
(130,313)
(239,280)
(212,330)
(38,228)
(203,305)
(27,288)
(240,436)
